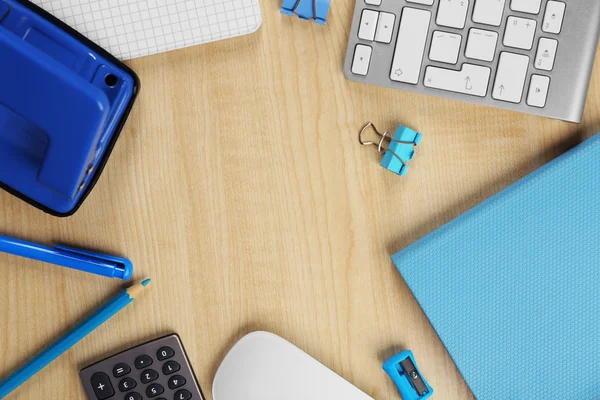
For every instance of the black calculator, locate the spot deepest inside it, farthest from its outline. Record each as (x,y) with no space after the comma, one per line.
(157,370)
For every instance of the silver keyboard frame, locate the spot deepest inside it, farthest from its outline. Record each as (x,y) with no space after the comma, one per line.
(569,80)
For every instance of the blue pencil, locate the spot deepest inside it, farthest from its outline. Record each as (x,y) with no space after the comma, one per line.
(70,339)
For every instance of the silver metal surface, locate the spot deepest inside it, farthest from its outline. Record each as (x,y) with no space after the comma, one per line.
(569,80)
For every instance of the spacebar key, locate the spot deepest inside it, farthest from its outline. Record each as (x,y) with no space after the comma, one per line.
(472,79)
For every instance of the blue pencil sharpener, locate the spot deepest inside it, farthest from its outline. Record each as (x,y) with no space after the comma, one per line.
(403,370)
(63,103)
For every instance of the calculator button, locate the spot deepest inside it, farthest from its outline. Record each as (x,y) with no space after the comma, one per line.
(176,381)
(164,352)
(127,384)
(121,370)
(102,386)
(183,395)
(149,375)
(133,396)
(154,390)
(170,367)
(143,362)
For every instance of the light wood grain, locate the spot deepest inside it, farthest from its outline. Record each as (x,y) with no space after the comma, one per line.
(238,185)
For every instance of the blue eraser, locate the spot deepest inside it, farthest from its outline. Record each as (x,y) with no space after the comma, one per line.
(403,370)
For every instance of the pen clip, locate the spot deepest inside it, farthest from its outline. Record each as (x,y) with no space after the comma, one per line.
(123,267)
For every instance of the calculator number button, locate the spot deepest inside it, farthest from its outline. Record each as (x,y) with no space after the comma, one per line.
(176,381)
(183,395)
(154,390)
(553,18)
(148,376)
(127,384)
(121,370)
(143,362)
(170,367)
(103,389)
(133,396)
(164,352)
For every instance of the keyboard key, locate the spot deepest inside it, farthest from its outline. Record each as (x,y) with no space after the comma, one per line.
(127,384)
(120,370)
(373,2)
(510,77)
(426,2)
(143,362)
(148,376)
(553,18)
(519,33)
(488,12)
(445,47)
(164,352)
(385,27)
(176,381)
(526,6)
(452,13)
(410,45)
(472,79)
(170,367)
(133,396)
(362,59)
(481,44)
(154,390)
(538,91)
(103,389)
(546,54)
(368,24)
(183,395)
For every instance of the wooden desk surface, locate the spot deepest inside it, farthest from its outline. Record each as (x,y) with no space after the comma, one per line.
(238,185)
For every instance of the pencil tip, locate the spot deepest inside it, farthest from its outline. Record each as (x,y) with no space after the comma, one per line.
(146,282)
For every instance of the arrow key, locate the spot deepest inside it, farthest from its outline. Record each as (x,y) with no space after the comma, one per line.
(510,77)
(368,24)
(362,59)
(385,27)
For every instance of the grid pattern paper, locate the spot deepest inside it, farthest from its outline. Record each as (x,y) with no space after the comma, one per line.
(134,28)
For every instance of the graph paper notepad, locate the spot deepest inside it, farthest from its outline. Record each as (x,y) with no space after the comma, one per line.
(135,28)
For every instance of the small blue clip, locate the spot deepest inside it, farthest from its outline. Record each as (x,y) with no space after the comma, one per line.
(400,147)
(87,261)
(307,9)
(403,370)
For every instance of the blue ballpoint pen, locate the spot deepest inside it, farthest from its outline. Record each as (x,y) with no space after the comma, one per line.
(94,263)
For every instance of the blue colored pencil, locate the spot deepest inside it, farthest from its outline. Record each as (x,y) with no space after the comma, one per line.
(70,339)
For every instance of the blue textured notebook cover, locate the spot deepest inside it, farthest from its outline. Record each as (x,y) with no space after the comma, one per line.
(512,287)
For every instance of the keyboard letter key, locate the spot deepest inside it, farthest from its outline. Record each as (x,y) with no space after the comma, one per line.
(481,44)
(510,78)
(410,46)
(472,79)
(452,13)
(553,18)
(488,12)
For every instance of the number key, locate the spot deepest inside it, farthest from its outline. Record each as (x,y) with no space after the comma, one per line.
(170,367)
(176,381)
(164,353)
(148,376)
(154,390)
(127,384)
(133,396)
(183,395)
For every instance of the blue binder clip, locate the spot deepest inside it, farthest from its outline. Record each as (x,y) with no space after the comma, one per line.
(403,370)
(399,150)
(63,103)
(307,9)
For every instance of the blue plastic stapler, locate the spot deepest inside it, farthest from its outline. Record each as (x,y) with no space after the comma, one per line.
(307,9)
(63,103)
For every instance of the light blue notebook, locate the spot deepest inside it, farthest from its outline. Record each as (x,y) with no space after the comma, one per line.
(512,287)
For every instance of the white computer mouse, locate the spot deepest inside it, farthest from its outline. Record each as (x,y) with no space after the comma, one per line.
(263,366)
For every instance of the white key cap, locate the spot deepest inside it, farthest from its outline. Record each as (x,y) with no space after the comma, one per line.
(385,27)
(519,33)
(488,12)
(373,2)
(410,46)
(445,47)
(546,54)
(526,6)
(368,24)
(553,19)
(452,13)
(481,44)
(538,91)
(426,2)
(510,77)
(472,79)
(362,59)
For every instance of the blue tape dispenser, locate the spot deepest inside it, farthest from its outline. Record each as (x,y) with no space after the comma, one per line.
(403,370)
(63,103)
(399,150)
